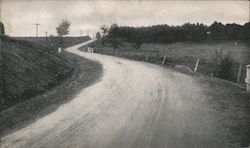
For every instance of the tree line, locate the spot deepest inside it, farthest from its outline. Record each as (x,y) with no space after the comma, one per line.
(186,32)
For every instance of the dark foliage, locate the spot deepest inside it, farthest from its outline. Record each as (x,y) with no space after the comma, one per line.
(136,41)
(187,32)
(63,28)
(222,64)
(98,36)
(113,37)
(105,30)
(246,32)
(1,29)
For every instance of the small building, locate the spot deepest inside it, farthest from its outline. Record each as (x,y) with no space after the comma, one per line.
(91,50)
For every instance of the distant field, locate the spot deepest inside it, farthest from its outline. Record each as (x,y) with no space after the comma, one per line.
(238,50)
(186,54)
(52,43)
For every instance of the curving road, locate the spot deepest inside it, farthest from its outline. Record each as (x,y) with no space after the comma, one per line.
(135,104)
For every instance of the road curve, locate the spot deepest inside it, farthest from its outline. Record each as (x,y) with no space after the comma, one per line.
(135,105)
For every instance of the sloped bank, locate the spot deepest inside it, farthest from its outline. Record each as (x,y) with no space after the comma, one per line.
(26,71)
(84,73)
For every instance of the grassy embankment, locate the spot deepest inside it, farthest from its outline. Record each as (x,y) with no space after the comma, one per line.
(30,68)
(186,53)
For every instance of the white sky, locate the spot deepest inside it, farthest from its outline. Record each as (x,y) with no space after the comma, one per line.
(20,16)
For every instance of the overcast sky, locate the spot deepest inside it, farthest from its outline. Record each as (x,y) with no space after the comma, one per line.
(20,16)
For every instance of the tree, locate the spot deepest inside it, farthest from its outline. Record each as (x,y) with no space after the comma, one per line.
(246,35)
(98,36)
(137,42)
(187,32)
(98,41)
(234,31)
(105,30)
(113,36)
(246,31)
(63,28)
(1,29)
(217,31)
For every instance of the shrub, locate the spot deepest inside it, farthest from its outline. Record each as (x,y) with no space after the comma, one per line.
(222,64)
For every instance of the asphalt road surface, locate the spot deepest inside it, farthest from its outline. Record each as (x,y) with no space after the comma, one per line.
(135,105)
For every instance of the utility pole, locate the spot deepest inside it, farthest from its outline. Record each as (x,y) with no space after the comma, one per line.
(80,32)
(37,25)
(46,34)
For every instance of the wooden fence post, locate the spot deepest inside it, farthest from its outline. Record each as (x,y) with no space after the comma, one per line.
(196,65)
(147,53)
(247,80)
(164,60)
(59,49)
(239,74)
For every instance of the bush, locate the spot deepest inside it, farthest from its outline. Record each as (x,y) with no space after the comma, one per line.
(222,64)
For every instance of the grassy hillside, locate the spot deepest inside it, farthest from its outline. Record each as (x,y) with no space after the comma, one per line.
(238,50)
(186,53)
(85,73)
(26,70)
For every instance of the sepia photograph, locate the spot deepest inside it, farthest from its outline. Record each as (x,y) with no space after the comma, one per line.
(124,74)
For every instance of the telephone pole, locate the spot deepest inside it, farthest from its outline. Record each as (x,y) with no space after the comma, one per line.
(80,32)
(37,25)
